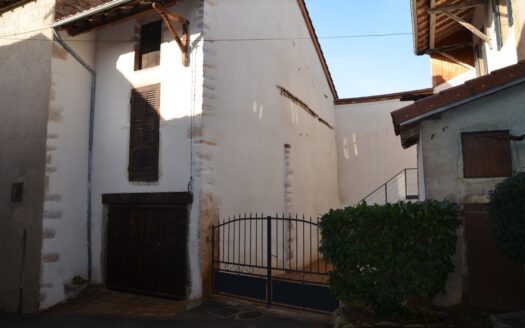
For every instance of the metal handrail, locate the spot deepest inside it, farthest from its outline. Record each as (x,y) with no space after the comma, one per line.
(385,185)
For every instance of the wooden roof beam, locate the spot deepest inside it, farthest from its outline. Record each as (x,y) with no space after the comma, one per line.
(183,41)
(432,36)
(447,8)
(469,27)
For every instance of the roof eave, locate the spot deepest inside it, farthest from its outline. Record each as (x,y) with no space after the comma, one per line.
(415,32)
(89,12)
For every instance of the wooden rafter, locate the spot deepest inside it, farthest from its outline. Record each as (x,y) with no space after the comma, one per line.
(468,26)
(456,12)
(168,17)
(432,36)
(448,8)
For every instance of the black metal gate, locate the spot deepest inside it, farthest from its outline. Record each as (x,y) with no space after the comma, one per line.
(272,260)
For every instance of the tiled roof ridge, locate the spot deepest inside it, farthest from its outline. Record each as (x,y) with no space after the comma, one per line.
(457,93)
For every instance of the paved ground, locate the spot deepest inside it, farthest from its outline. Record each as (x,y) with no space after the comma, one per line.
(215,313)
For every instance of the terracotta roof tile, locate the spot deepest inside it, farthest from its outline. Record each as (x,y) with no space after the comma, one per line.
(456,94)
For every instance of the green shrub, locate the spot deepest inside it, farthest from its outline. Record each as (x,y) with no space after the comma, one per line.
(507,213)
(385,254)
(78,280)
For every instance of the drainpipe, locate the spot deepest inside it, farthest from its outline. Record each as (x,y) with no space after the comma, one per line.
(90,138)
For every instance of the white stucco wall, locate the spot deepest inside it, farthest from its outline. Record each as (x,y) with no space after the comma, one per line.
(180,98)
(249,120)
(443,161)
(65,207)
(368,150)
(25,66)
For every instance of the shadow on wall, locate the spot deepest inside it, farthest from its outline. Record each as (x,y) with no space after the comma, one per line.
(25,68)
(521,40)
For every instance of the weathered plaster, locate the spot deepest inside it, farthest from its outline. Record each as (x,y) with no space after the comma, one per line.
(65,201)
(245,113)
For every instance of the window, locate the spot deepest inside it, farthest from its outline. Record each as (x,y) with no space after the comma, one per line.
(503,19)
(147,49)
(486,154)
(144,134)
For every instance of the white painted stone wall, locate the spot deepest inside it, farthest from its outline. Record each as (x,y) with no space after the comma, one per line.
(65,203)
(181,89)
(25,66)
(247,119)
(368,150)
(247,122)
(443,160)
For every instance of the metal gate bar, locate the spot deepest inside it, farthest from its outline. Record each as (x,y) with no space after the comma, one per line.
(289,267)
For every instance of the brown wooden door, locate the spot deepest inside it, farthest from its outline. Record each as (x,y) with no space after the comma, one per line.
(146,249)
(494,280)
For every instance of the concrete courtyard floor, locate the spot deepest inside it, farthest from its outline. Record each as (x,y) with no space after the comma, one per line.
(101,308)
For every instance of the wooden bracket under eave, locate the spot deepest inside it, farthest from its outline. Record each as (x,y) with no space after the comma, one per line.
(168,17)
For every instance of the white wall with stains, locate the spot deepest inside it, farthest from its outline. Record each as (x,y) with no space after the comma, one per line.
(368,151)
(261,151)
(249,120)
(65,200)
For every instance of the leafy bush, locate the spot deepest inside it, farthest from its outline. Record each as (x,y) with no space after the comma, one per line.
(507,213)
(385,254)
(78,280)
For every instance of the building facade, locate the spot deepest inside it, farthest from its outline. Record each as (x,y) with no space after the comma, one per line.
(467,134)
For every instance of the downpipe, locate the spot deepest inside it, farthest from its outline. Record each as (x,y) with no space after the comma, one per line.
(91,71)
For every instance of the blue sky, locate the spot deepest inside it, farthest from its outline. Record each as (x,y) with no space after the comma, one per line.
(371,65)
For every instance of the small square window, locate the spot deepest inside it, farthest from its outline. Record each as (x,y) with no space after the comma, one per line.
(486,154)
(147,49)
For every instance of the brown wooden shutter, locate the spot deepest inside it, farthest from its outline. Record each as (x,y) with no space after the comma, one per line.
(486,154)
(148,54)
(144,134)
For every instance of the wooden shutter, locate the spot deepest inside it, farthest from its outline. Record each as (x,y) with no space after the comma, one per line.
(144,134)
(148,54)
(486,154)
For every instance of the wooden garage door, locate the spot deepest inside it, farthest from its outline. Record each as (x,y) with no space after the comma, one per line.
(146,249)
(495,281)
